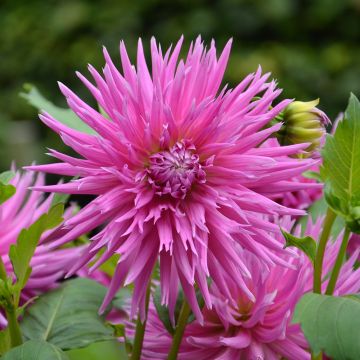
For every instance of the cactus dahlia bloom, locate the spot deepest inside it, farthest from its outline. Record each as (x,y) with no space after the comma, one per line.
(176,170)
(239,328)
(48,264)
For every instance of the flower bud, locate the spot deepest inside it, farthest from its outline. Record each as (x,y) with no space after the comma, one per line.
(303,123)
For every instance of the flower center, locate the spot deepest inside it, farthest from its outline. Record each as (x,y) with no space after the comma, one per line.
(174,171)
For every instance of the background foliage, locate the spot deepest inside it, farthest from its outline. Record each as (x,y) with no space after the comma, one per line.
(311,47)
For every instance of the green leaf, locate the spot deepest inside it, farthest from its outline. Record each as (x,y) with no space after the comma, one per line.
(60,198)
(306,244)
(65,116)
(109,266)
(6,176)
(312,175)
(121,298)
(35,350)
(341,165)
(21,253)
(107,350)
(6,192)
(330,324)
(68,316)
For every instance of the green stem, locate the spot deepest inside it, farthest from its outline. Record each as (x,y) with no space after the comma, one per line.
(14,328)
(338,263)
(179,331)
(10,312)
(140,329)
(319,258)
(3,274)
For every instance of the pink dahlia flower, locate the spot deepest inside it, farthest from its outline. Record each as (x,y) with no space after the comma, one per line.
(176,170)
(48,264)
(239,328)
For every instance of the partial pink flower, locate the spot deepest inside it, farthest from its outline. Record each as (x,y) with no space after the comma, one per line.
(176,171)
(239,328)
(49,264)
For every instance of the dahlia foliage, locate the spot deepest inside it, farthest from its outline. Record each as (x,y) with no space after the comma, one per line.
(196,199)
(49,264)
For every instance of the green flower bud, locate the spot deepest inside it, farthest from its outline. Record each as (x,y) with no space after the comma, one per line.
(303,123)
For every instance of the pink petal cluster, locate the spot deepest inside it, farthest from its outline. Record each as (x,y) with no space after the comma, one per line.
(239,328)
(177,172)
(48,263)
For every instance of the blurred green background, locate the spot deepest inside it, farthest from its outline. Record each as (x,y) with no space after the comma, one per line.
(311,47)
